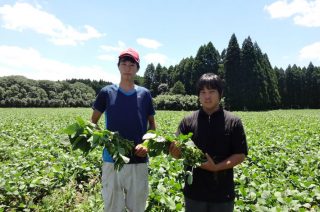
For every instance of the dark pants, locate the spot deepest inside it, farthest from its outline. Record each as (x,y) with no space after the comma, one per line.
(198,206)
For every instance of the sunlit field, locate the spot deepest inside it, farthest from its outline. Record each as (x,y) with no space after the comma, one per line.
(40,172)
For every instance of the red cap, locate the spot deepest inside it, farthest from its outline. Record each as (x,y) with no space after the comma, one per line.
(130,53)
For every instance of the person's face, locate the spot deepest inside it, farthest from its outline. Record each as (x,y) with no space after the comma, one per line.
(128,69)
(209,99)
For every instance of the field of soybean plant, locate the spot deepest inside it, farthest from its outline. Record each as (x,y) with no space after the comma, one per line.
(40,172)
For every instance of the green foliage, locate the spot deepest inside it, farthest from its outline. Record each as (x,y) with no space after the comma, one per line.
(250,82)
(94,84)
(206,60)
(162,88)
(35,159)
(178,88)
(157,143)
(294,86)
(149,77)
(312,93)
(18,91)
(85,136)
(192,156)
(138,80)
(176,102)
(40,172)
(233,77)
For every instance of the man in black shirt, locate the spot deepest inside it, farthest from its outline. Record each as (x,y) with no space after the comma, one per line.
(220,135)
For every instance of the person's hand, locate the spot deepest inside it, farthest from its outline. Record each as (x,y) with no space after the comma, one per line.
(175,152)
(209,165)
(140,151)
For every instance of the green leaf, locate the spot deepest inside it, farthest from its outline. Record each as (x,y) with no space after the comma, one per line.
(121,150)
(189,177)
(81,122)
(71,129)
(145,143)
(125,159)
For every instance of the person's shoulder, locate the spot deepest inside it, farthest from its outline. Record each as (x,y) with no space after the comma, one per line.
(111,87)
(193,115)
(231,116)
(141,88)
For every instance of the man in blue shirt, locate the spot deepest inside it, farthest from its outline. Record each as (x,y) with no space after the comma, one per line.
(128,110)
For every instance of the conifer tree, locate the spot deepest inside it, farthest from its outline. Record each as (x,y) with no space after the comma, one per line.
(149,76)
(233,76)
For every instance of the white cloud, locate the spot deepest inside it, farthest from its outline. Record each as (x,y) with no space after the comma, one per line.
(304,12)
(24,16)
(112,51)
(121,45)
(107,57)
(310,52)
(29,63)
(156,58)
(148,43)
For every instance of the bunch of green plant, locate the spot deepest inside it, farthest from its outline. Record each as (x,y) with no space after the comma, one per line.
(85,136)
(157,143)
(39,173)
(191,155)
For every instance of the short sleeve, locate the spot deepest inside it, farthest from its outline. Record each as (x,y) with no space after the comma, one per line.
(100,103)
(151,111)
(182,128)
(239,142)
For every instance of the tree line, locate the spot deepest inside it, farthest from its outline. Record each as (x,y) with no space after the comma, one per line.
(18,91)
(251,83)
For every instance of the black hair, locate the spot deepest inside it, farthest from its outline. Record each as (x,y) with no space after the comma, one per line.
(128,58)
(210,81)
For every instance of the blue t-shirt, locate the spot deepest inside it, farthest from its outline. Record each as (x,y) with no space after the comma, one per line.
(126,113)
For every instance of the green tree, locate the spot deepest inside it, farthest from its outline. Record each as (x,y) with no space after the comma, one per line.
(156,80)
(163,88)
(270,90)
(255,77)
(149,76)
(171,72)
(206,60)
(282,87)
(312,85)
(184,73)
(248,68)
(138,80)
(294,81)
(178,88)
(234,92)
(1,93)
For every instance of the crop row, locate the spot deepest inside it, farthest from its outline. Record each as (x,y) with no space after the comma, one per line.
(39,171)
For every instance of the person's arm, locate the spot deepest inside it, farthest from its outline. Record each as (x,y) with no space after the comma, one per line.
(95,116)
(228,163)
(152,123)
(140,150)
(175,151)
(99,105)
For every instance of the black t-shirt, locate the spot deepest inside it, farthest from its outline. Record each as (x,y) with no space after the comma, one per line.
(220,135)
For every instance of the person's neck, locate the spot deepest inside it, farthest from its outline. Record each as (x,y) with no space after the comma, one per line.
(210,111)
(126,85)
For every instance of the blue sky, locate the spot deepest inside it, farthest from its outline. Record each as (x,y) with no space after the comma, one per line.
(60,39)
